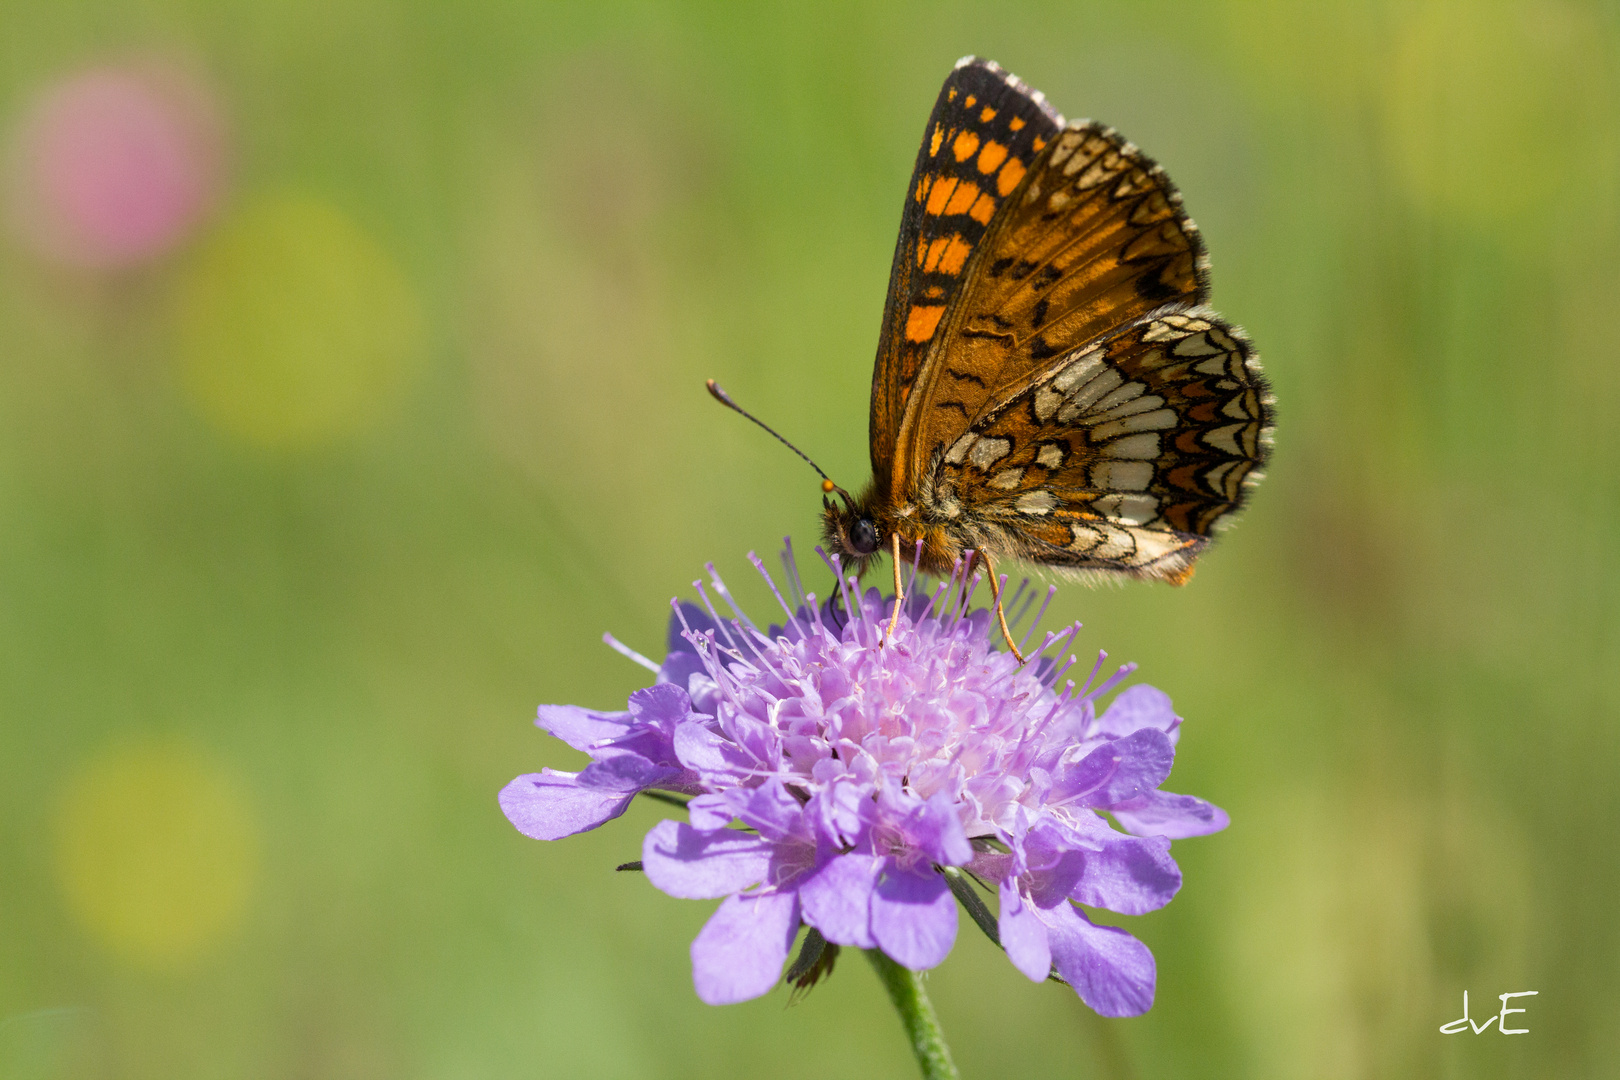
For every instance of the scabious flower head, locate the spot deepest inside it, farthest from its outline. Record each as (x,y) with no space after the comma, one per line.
(867,771)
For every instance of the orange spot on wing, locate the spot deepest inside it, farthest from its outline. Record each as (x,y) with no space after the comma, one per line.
(922,320)
(962,198)
(965,146)
(1016,123)
(945,255)
(1011,174)
(955,254)
(1040,144)
(922,187)
(938,196)
(939,137)
(987,115)
(991,157)
(983,209)
(922,252)
(952,95)
(970,102)
(933,292)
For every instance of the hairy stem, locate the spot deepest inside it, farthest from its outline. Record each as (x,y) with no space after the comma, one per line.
(917,1015)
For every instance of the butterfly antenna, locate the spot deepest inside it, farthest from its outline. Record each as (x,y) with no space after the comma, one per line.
(719,394)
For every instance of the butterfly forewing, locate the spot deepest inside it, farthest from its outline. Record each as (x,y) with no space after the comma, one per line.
(1094,239)
(984,133)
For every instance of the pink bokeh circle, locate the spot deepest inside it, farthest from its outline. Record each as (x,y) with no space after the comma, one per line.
(115,166)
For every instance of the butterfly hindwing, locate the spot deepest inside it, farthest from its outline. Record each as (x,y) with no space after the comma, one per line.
(1118,456)
(985,131)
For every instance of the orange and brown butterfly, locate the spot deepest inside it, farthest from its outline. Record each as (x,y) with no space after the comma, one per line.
(1049,386)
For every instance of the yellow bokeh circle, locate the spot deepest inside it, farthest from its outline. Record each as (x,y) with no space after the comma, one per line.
(294,327)
(156,852)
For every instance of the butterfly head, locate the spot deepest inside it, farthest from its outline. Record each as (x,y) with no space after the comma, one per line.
(850,531)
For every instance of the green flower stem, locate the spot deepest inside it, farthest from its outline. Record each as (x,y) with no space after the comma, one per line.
(922,1026)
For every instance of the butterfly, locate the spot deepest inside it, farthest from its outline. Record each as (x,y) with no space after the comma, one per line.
(1049,385)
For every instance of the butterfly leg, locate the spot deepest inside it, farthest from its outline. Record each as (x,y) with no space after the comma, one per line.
(1001,614)
(899,590)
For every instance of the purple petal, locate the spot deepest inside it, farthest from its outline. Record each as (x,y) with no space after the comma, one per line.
(694,865)
(773,810)
(837,899)
(1133,876)
(661,706)
(1023,935)
(946,841)
(719,760)
(1055,883)
(1084,776)
(913,916)
(581,728)
(625,772)
(843,813)
(1055,861)
(714,811)
(1110,970)
(678,669)
(930,828)
(739,953)
(1159,813)
(1118,770)
(757,741)
(549,805)
(1145,757)
(1138,707)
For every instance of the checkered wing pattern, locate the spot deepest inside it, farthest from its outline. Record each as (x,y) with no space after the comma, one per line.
(1122,456)
(986,130)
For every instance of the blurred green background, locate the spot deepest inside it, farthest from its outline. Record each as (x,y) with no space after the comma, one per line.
(310,493)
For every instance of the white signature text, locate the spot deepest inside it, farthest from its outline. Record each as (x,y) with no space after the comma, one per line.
(1499,1019)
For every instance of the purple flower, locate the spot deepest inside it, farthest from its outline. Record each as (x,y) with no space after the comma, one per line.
(854,781)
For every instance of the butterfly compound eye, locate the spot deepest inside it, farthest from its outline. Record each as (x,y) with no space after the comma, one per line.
(863,536)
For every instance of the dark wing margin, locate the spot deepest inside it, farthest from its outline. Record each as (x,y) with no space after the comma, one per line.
(986,129)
